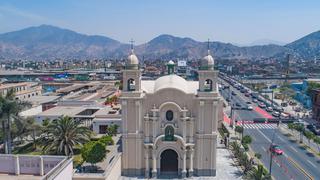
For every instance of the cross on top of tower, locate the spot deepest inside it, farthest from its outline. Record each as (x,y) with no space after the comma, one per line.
(208,46)
(131,44)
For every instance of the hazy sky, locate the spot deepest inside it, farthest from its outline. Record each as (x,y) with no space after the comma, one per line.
(236,21)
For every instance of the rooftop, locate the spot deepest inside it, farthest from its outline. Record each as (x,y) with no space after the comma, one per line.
(170,81)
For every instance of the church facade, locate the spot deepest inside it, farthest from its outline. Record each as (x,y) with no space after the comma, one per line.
(170,124)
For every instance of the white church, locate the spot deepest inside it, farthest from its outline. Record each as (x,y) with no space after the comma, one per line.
(170,124)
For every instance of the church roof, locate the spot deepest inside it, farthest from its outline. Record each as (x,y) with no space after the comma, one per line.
(171,81)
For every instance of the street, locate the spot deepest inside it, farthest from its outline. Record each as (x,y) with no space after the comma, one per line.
(295,163)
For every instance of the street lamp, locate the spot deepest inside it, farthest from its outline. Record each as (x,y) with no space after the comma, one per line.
(271,144)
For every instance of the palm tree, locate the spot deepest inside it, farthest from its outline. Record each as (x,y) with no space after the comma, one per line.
(10,108)
(257,174)
(63,134)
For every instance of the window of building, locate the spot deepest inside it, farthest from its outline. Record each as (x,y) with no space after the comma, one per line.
(169,115)
(131,85)
(208,85)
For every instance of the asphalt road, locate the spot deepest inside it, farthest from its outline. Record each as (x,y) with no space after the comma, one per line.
(295,163)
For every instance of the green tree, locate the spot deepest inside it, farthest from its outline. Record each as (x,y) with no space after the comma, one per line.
(286,91)
(291,126)
(63,134)
(93,152)
(112,130)
(309,135)
(239,129)
(300,129)
(107,140)
(312,86)
(317,141)
(257,174)
(246,139)
(10,108)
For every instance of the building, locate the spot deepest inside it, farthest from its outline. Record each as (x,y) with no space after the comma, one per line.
(316,104)
(106,117)
(78,110)
(23,91)
(170,124)
(29,167)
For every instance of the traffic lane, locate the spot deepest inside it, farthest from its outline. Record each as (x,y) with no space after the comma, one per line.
(246,115)
(306,160)
(261,145)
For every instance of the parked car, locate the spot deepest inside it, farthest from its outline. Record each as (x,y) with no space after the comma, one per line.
(262,105)
(247,94)
(249,108)
(276,149)
(238,104)
(284,104)
(284,115)
(254,100)
(269,109)
(275,114)
(233,93)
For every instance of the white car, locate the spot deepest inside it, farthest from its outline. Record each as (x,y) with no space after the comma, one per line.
(269,109)
(250,108)
(276,114)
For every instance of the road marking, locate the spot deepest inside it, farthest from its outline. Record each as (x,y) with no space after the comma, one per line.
(311,163)
(293,149)
(300,168)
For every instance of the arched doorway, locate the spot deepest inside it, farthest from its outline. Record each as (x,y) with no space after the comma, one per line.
(169,163)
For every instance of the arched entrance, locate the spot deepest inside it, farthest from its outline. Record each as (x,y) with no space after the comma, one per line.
(169,163)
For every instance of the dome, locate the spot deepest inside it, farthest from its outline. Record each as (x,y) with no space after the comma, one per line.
(207,62)
(171,81)
(170,62)
(132,61)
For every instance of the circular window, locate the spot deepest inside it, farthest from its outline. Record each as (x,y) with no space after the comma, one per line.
(169,115)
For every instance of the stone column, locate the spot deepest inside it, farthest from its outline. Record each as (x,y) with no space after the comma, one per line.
(191,162)
(17,165)
(154,164)
(147,162)
(184,159)
(41,166)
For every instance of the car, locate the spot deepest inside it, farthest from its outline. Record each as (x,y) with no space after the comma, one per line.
(275,149)
(284,115)
(254,100)
(269,109)
(247,94)
(262,105)
(248,102)
(249,108)
(276,114)
(284,104)
(233,93)
(238,104)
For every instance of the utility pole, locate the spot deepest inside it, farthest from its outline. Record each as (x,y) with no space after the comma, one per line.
(271,155)
(287,68)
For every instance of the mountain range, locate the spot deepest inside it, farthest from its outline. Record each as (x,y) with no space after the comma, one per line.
(48,42)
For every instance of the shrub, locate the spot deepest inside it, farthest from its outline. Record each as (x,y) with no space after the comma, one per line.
(239,129)
(93,152)
(246,147)
(257,155)
(246,139)
(106,140)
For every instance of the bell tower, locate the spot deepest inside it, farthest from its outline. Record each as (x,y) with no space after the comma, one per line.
(207,75)
(131,73)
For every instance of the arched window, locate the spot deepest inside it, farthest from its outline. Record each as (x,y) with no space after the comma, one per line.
(131,85)
(169,115)
(208,85)
(169,133)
